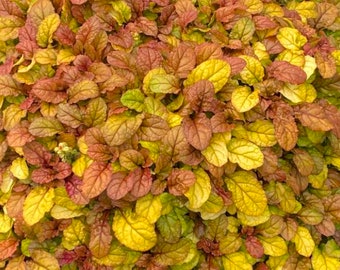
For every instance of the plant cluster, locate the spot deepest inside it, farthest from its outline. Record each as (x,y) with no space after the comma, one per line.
(188,134)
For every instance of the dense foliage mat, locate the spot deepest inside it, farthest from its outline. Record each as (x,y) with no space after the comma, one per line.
(189,134)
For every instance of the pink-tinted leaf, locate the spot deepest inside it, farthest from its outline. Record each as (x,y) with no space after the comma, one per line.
(8,86)
(181,60)
(286,72)
(121,183)
(237,64)
(148,58)
(263,22)
(8,247)
(19,136)
(179,181)
(96,179)
(147,27)
(36,154)
(87,33)
(65,35)
(43,175)
(198,131)
(100,152)
(143,183)
(122,39)
(73,187)
(100,238)
(254,247)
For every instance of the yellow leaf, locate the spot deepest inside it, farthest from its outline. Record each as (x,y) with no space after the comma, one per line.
(291,38)
(6,223)
(9,27)
(247,192)
(273,246)
(273,10)
(83,90)
(253,6)
(12,116)
(46,29)
(199,192)
(148,77)
(75,234)
(65,56)
(46,56)
(149,207)
(37,203)
(252,221)
(299,93)
(304,242)
(80,164)
(260,51)
(42,260)
(243,99)
(19,168)
(217,153)
(309,66)
(306,9)
(321,261)
(296,58)
(246,154)
(212,208)
(236,261)
(214,70)
(253,72)
(134,231)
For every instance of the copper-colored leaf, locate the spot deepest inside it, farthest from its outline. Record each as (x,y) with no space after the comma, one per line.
(326,65)
(313,116)
(254,247)
(179,181)
(36,154)
(143,183)
(96,178)
(43,175)
(99,152)
(50,90)
(148,58)
(286,131)
(181,60)
(121,183)
(8,247)
(100,238)
(286,72)
(19,136)
(153,128)
(198,131)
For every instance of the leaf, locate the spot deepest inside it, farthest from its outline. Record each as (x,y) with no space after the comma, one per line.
(8,86)
(36,154)
(243,30)
(117,256)
(253,72)
(214,70)
(326,65)
(50,90)
(19,168)
(149,207)
(299,93)
(180,180)
(313,117)
(83,90)
(96,179)
(286,131)
(199,192)
(171,254)
(45,127)
(182,60)
(121,183)
(8,248)
(12,116)
(236,261)
(246,154)
(303,161)
(164,84)
(121,12)
(243,99)
(134,231)
(100,238)
(286,72)
(9,27)
(327,14)
(69,115)
(131,159)
(119,128)
(306,9)
(42,260)
(217,153)
(320,260)
(198,131)
(40,10)
(291,38)
(273,246)
(254,247)
(133,99)
(38,202)
(142,184)
(153,128)
(304,242)
(75,234)
(247,192)
(46,29)
(96,112)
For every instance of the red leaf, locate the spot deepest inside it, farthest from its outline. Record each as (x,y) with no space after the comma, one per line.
(148,58)
(120,59)
(100,238)
(27,39)
(43,175)
(142,184)
(237,64)
(254,247)
(87,33)
(65,35)
(198,131)
(96,179)
(120,184)
(50,90)
(181,60)
(180,180)
(263,22)
(36,154)
(73,188)
(8,247)
(286,72)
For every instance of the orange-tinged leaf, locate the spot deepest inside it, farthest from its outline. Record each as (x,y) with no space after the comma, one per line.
(313,116)
(181,60)
(100,238)
(8,86)
(286,72)
(121,183)
(83,90)
(95,179)
(8,247)
(180,180)
(286,132)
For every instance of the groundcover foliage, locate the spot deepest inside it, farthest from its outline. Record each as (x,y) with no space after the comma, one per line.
(189,134)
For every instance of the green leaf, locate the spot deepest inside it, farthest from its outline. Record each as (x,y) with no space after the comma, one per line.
(172,253)
(236,261)
(214,70)
(246,154)
(75,234)
(230,243)
(149,207)
(45,127)
(243,99)
(96,111)
(321,261)
(217,153)
(83,90)
(120,127)
(133,99)
(42,260)
(199,192)
(170,227)
(247,192)
(38,202)
(253,72)
(273,246)
(243,29)
(304,242)
(9,27)
(291,38)
(134,231)
(46,29)
(19,168)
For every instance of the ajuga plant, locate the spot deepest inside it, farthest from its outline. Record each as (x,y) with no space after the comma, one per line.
(189,134)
